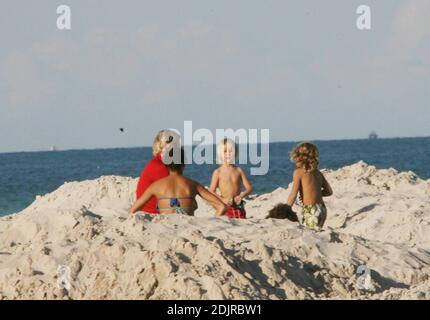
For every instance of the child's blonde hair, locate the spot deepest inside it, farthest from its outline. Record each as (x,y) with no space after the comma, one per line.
(307,155)
(222,145)
(163,138)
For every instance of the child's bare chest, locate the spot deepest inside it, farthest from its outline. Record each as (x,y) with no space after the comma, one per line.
(229,175)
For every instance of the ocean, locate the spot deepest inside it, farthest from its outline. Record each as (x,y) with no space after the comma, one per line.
(25,175)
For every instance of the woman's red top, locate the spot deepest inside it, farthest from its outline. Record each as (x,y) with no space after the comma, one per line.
(153,171)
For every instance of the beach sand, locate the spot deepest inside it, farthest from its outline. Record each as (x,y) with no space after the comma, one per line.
(376,218)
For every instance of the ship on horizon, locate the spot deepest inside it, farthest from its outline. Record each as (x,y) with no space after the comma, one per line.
(373,135)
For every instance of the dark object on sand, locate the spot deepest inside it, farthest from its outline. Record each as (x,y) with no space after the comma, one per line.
(121,129)
(283,211)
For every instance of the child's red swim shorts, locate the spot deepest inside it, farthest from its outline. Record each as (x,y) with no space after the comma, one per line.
(235,213)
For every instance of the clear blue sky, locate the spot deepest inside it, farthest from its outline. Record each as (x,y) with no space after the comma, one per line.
(300,68)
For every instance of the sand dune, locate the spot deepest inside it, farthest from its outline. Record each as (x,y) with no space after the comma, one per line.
(377,218)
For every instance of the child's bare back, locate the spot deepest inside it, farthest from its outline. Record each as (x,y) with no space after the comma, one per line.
(312,186)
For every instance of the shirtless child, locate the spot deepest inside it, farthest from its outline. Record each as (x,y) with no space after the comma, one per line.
(229,179)
(311,184)
(176,193)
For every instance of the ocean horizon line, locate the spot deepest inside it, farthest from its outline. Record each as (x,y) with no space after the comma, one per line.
(149,146)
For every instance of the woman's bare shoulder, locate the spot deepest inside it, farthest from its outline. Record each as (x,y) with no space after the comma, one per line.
(193,182)
(160,183)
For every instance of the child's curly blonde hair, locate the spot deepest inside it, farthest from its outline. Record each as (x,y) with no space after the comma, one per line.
(307,155)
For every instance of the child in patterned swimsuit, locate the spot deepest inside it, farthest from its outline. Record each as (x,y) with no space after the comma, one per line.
(311,184)
(229,179)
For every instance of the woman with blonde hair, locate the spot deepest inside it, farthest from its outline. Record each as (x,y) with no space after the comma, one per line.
(155,169)
(176,193)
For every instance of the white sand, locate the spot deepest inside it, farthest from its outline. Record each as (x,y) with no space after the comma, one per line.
(378,218)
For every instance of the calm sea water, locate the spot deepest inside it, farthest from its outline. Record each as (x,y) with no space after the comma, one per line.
(25,175)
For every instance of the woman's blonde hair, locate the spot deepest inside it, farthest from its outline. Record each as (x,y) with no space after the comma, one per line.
(307,155)
(163,138)
(225,143)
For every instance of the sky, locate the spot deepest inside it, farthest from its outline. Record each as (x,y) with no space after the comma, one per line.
(300,68)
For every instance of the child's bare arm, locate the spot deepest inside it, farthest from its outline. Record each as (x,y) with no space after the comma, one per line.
(219,206)
(214,182)
(327,191)
(297,175)
(247,185)
(146,196)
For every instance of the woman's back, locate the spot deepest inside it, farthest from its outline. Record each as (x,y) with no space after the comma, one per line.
(176,194)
